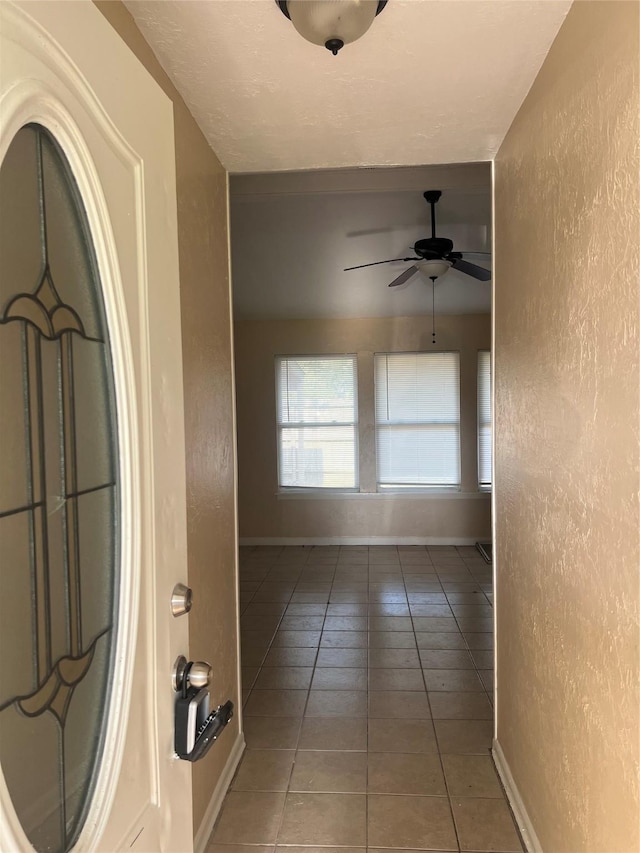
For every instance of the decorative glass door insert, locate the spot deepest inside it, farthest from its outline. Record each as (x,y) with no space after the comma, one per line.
(59,519)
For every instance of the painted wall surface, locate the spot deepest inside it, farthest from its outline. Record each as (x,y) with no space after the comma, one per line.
(567,377)
(208,389)
(263,515)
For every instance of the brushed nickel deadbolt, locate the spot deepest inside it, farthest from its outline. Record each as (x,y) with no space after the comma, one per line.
(181,599)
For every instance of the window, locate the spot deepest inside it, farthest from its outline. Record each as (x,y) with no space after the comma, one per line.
(484,420)
(418,419)
(317,423)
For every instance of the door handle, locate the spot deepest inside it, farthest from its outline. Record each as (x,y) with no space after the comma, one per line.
(186,674)
(196,728)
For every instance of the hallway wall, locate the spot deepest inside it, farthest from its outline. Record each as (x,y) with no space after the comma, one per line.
(209,417)
(462,517)
(567,379)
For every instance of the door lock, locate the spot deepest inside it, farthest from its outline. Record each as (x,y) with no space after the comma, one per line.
(186,674)
(181,599)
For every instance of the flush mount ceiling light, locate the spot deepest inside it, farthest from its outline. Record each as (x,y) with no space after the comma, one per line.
(332,23)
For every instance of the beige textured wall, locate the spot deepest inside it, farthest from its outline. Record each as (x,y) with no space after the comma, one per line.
(262,514)
(207,347)
(567,238)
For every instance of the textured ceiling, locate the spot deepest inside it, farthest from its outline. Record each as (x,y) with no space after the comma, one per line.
(432,81)
(293,234)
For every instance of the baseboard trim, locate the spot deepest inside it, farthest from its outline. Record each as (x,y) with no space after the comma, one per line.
(215,803)
(358,540)
(529,837)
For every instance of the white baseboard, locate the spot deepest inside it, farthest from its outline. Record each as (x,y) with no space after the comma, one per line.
(215,803)
(359,540)
(531,841)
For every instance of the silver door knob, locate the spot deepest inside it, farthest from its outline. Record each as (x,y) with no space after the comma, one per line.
(200,674)
(181,599)
(197,673)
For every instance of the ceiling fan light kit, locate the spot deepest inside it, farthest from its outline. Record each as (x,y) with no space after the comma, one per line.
(331,23)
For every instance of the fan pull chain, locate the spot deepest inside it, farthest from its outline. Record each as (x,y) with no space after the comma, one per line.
(433,310)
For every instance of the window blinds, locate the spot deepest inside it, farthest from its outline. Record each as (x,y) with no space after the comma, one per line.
(417,419)
(317,421)
(484,419)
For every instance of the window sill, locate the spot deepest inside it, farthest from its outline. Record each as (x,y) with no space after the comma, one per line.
(387,494)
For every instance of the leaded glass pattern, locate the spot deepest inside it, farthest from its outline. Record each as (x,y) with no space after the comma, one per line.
(58,495)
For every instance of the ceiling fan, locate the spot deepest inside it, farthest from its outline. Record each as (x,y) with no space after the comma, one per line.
(435,255)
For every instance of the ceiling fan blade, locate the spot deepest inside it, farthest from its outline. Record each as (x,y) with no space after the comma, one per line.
(404,276)
(472,269)
(375,263)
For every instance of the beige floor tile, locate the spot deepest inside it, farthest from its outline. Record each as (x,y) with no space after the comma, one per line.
(212,847)
(395,735)
(337,703)
(482,659)
(394,659)
(483,640)
(471,776)
(445,659)
(324,819)
(431,610)
(398,773)
(434,623)
(330,772)
(249,818)
(413,822)
(487,679)
(290,657)
(276,703)
(264,770)
(485,825)
(327,733)
(302,608)
(249,674)
(381,608)
(464,736)
(301,623)
(460,706)
(272,732)
(392,640)
(441,640)
(477,611)
(344,640)
(345,623)
(284,677)
(342,657)
(473,625)
(297,639)
(346,609)
(340,678)
(464,680)
(390,623)
(427,597)
(291,849)
(401,704)
(396,679)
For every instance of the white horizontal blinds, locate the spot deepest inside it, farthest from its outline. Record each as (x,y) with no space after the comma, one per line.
(418,419)
(484,419)
(317,421)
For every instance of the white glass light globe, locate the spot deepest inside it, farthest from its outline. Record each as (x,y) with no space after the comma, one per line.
(322,21)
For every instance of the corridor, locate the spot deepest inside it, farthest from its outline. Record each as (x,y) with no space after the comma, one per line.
(367,680)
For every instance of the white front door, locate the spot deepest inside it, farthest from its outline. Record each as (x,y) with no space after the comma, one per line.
(92,483)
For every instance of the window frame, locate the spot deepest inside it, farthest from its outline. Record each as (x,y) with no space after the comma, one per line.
(281,425)
(484,486)
(409,488)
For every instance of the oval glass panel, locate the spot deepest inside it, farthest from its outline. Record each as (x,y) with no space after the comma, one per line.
(59,530)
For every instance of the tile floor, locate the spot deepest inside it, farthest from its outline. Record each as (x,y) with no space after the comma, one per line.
(367,675)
